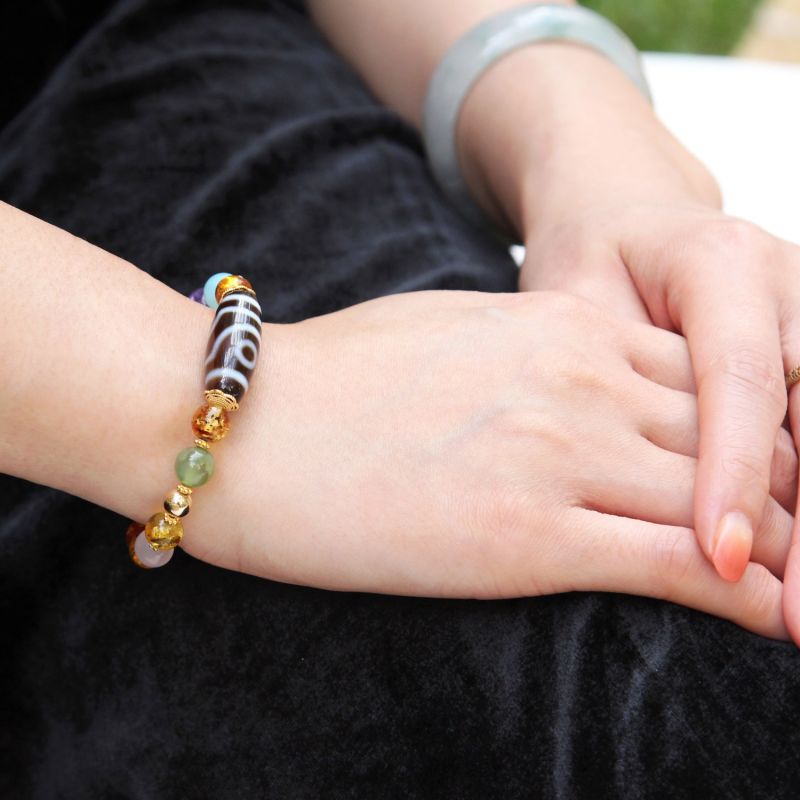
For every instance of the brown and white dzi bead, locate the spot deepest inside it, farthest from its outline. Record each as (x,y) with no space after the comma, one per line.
(234,343)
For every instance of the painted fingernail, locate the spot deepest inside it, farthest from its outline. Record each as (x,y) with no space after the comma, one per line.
(733,541)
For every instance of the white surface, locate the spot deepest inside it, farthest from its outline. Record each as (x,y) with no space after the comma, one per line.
(742,119)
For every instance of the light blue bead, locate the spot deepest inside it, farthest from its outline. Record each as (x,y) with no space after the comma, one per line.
(210,289)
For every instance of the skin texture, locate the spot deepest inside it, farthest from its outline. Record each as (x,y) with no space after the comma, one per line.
(556,142)
(442,443)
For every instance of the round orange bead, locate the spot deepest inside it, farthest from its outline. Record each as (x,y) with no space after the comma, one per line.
(230,283)
(134,529)
(210,423)
(163,532)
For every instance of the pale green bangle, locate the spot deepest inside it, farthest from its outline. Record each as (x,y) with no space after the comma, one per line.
(481,47)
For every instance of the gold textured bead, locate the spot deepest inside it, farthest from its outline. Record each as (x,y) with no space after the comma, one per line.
(177,503)
(202,443)
(220,399)
(184,489)
(231,283)
(164,531)
(210,423)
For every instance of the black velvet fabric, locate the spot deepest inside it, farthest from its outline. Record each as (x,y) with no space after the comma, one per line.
(191,137)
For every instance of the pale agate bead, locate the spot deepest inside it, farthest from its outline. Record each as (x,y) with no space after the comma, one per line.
(150,558)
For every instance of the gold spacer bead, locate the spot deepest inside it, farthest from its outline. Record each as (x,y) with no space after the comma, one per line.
(177,503)
(202,443)
(240,289)
(171,517)
(216,397)
(233,283)
(183,489)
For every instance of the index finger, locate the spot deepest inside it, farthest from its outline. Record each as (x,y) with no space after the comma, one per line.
(734,341)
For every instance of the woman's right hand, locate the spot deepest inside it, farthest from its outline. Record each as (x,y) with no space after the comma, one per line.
(462,444)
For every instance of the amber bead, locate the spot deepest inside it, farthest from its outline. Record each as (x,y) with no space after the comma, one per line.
(134,529)
(177,503)
(163,531)
(229,283)
(210,423)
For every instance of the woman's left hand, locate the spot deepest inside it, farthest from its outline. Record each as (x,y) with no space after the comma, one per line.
(732,290)
(559,143)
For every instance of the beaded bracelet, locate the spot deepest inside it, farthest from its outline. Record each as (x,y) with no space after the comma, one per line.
(231,357)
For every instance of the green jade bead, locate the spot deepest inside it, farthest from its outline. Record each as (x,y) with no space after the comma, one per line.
(194,466)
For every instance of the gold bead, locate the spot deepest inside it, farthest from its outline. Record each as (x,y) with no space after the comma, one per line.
(164,531)
(233,283)
(218,398)
(202,443)
(184,489)
(210,423)
(134,529)
(177,503)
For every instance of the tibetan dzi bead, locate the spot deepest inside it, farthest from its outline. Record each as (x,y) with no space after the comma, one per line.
(194,466)
(163,531)
(210,423)
(233,344)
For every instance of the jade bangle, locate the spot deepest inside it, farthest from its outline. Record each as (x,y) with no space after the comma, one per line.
(481,47)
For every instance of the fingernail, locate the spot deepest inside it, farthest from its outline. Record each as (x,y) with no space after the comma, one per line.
(730,550)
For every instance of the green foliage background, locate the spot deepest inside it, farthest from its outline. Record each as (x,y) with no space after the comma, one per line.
(692,26)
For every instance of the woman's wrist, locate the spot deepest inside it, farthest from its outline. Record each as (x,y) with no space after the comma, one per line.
(555,127)
(104,368)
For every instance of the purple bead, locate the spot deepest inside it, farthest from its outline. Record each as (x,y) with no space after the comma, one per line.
(197,295)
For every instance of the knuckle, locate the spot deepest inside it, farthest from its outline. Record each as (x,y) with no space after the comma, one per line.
(773,539)
(675,554)
(745,466)
(755,372)
(565,371)
(762,595)
(579,371)
(754,369)
(784,464)
(592,381)
(732,235)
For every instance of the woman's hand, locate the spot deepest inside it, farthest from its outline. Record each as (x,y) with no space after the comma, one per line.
(613,208)
(440,443)
(557,143)
(728,286)
(463,444)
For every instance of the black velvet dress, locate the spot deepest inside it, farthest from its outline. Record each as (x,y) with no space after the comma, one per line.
(191,137)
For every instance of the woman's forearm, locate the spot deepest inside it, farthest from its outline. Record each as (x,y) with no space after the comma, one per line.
(101,368)
(543,124)
(396,46)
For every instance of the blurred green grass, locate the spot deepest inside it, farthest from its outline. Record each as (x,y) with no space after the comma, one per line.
(690,26)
